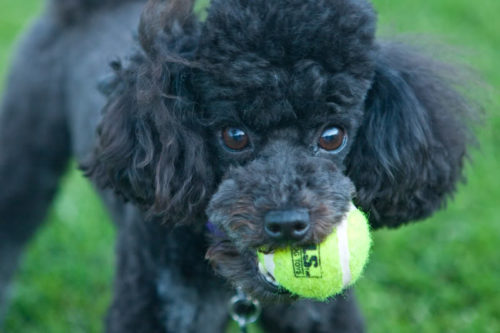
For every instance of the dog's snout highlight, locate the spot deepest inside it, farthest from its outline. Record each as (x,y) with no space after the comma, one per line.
(287,225)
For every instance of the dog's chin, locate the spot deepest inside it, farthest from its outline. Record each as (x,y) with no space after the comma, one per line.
(241,269)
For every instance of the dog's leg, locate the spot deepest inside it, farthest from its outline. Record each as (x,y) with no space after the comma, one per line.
(34,146)
(339,315)
(163,283)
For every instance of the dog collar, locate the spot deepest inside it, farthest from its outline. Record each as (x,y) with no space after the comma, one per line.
(214,230)
(243,309)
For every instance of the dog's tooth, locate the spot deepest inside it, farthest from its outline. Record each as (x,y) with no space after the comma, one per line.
(269,263)
(268,276)
(272,281)
(262,269)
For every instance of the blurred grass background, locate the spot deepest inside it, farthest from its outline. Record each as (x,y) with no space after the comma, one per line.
(442,275)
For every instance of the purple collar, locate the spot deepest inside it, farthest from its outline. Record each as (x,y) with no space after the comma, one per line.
(214,230)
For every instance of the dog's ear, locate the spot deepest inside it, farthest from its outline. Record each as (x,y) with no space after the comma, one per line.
(150,146)
(409,151)
(164,18)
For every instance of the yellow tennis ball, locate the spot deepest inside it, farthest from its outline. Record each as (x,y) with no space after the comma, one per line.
(322,270)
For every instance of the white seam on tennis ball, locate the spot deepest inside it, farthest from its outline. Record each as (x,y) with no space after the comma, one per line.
(269,263)
(344,256)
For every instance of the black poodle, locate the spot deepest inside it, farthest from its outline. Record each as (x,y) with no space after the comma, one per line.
(253,128)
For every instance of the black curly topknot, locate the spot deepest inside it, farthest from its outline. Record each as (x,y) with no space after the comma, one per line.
(272,64)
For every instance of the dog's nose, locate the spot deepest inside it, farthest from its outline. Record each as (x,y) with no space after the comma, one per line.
(287,225)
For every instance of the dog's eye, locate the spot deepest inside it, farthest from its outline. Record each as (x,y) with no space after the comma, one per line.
(333,139)
(235,138)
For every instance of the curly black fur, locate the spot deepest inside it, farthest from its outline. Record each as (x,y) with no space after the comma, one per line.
(412,143)
(151,148)
(282,71)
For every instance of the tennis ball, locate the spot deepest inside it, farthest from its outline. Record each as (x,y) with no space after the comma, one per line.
(321,270)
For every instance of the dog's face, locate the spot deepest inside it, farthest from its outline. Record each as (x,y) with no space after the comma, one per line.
(269,118)
(281,121)
(286,188)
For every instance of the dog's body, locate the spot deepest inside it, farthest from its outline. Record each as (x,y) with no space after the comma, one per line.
(223,119)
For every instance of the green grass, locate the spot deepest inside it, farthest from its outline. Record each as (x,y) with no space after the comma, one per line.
(441,275)
(64,282)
